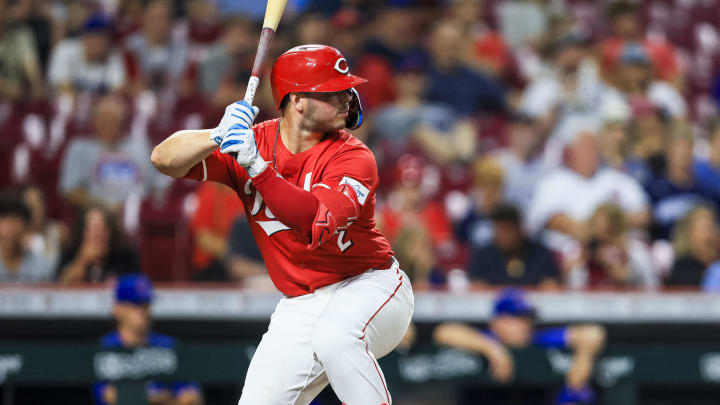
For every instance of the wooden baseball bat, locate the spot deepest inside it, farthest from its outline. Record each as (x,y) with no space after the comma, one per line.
(273,12)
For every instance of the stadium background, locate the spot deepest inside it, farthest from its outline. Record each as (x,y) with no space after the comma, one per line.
(471,106)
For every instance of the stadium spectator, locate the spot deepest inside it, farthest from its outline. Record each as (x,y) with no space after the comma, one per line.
(72,16)
(87,64)
(414,246)
(627,28)
(474,226)
(159,57)
(97,251)
(39,17)
(521,23)
(18,263)
(202,25)
(647,136)
(230,59)
(522,159)
(348,32)
(412,222)
(613,258)
(614,136)
(218,208)
(707,170)
(452,81)
(434,128)
(513,327)
(46,236)
(512,258)
(566,198)
(131,310)
(127,19)
(244,262)
(312,28)
(391,35)
(490,52)
(634,79)
(109,167)
(674,191)
(20,68)
(567,88)
(391,39)
(697,249)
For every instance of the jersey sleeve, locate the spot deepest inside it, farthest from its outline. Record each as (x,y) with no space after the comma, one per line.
(551,338)
(355,168)
(221,168)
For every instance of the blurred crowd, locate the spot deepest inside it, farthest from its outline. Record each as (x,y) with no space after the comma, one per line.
(559,144)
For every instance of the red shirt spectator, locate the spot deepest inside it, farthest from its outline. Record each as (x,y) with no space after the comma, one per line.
(627,27)
(661,53)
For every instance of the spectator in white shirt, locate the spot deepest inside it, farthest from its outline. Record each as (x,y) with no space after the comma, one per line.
(18,264)
(569,86)
(159,56)
(87,64)
(108,167)
(566,198)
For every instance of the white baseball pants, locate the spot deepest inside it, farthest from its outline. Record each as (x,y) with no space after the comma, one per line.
(335,335)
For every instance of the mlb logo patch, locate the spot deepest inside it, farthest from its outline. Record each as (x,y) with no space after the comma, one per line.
(360,190)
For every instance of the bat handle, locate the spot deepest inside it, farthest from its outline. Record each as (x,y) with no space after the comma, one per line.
(250,95)
(251,88)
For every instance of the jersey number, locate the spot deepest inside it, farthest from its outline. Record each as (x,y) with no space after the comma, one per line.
(344,245)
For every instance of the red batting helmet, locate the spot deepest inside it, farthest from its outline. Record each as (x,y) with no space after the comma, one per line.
(314,68)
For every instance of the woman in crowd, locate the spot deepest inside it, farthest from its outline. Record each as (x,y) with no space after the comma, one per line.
(97,253)
(696,246)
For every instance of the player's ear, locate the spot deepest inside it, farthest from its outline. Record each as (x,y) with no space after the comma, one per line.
(296,102)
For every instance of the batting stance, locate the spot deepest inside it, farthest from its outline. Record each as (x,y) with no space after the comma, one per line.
(308,188)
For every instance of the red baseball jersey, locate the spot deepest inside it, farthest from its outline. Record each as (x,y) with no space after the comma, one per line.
(337,159)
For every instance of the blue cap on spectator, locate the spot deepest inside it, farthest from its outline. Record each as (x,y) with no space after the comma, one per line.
(96,23)
(634,54)
(134,289)
(512,302)
(413,63)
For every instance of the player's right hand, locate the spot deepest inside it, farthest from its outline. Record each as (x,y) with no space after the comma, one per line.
(238,113)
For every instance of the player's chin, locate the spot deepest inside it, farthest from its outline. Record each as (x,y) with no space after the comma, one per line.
(339,122)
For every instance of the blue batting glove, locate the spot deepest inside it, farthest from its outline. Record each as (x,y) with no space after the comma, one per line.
(239,113)
(239,139)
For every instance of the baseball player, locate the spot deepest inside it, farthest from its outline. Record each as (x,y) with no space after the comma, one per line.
(512,326)
(131,310)
(308,188)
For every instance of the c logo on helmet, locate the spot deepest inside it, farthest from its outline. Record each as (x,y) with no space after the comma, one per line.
(341,66)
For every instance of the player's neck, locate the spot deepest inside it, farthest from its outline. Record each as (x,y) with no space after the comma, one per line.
(130,338)
(296,139)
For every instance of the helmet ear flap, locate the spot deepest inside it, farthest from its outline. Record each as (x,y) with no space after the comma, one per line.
(355,114)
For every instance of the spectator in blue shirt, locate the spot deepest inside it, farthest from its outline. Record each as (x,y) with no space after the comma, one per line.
(676,190)
(707,171)
(133,294)
(452,81)
(512,327)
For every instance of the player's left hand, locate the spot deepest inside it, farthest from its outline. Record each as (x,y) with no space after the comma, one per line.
(239,139)
(240,112)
